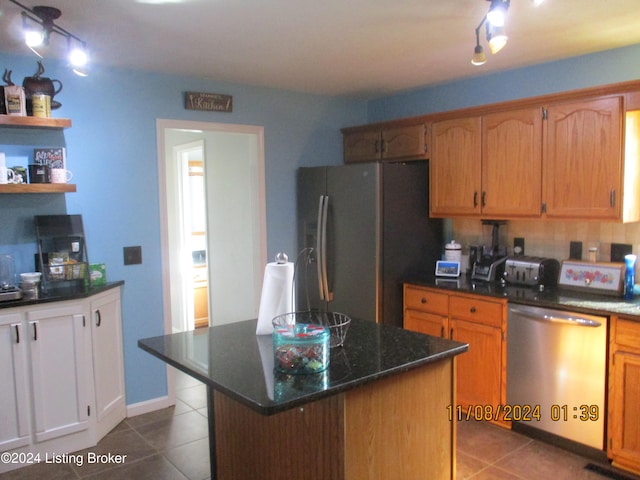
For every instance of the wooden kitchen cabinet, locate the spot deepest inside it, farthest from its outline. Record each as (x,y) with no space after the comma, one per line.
(201,304)
(582,160)
(477,321)
(455,182)
(481,374)
(623,445)
(512,164)
(488,166)
(426,311)
(392,143)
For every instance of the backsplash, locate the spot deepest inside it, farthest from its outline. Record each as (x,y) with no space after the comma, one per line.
(550,238)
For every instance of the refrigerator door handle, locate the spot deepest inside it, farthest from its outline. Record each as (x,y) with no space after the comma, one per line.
(328,294)
(319,247)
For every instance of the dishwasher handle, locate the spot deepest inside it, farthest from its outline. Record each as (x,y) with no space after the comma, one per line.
(556,318)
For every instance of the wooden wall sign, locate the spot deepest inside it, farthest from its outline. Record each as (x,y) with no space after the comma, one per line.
(208,102)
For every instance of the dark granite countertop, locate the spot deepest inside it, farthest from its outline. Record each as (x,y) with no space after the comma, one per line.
(61,296)
(550,297)
(234,360)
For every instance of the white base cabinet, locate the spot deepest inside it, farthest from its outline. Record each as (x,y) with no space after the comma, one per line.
(108,360)
(62,376)
(60,350)
(14,410)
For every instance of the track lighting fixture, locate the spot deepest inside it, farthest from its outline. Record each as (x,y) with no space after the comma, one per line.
(38,25)
(494,22)
(479,57)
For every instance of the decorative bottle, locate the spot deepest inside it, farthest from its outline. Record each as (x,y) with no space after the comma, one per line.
(629,276)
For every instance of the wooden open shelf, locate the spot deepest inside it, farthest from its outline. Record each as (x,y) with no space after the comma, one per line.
(34,122)
(37,188)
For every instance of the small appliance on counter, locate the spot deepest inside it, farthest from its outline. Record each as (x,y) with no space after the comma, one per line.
(8,289)
(531,271)
(488,262)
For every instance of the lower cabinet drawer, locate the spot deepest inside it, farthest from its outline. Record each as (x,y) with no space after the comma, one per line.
(426,300)
(475,310)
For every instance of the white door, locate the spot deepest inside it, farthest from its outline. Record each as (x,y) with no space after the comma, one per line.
(108,368)
(60,345)
(14,403)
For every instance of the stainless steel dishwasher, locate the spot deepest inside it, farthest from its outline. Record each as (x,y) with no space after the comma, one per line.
(556,367)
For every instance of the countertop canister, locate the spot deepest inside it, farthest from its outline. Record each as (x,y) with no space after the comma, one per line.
(453,251)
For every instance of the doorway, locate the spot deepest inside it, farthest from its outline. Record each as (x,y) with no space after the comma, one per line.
(232,175)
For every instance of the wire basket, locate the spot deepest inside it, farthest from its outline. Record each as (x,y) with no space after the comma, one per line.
(338,323)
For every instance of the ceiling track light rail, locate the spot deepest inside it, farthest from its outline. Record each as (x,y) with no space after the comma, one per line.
(36,37)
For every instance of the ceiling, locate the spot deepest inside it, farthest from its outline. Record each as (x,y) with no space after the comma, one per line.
(330,47)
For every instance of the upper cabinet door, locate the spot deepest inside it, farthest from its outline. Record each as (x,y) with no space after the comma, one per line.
(512,163)
(583,159)
(455,187)
(404,143)
(362,146)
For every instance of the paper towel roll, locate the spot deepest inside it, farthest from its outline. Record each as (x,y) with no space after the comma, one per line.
(276,297)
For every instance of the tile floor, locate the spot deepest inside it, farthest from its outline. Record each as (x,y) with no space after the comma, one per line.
(172,444)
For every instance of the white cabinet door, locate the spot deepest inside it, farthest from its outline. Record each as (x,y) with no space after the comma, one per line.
(14,400)
(108,367)
(60,343)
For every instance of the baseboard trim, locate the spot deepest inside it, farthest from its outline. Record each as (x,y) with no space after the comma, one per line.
(147,406)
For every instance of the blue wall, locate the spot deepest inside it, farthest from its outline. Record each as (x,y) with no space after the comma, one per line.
(602,68)
(111,150)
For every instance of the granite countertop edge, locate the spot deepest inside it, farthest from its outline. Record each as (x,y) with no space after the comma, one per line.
(91,291)
(551,297)
(157,346)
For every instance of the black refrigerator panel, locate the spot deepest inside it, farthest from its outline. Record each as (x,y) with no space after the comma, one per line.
(411,241)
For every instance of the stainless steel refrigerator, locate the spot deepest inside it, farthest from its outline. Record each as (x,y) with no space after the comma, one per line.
(365,228)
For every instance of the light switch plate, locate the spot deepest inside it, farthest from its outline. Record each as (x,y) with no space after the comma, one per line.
(132,255)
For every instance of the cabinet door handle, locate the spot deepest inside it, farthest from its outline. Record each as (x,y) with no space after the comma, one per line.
(472,309)
(98,318)
(612,198)
(484,199)
(17,327)
(35,330)
(442,331)
(475,199)
(423,300)
(451,334)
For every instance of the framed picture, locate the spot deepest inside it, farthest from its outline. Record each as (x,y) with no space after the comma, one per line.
(606,278)
(447,269)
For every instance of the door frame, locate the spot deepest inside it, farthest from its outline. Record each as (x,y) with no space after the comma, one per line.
(162,125)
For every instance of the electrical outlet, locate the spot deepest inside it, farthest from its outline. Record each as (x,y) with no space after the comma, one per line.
(518,245)
(575,250)
(132,255)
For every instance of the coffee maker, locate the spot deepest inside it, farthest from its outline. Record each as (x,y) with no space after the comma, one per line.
(488,261)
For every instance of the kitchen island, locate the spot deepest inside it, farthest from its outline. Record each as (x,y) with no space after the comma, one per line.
(381,410)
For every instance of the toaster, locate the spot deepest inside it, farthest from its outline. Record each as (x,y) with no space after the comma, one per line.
(526,270)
